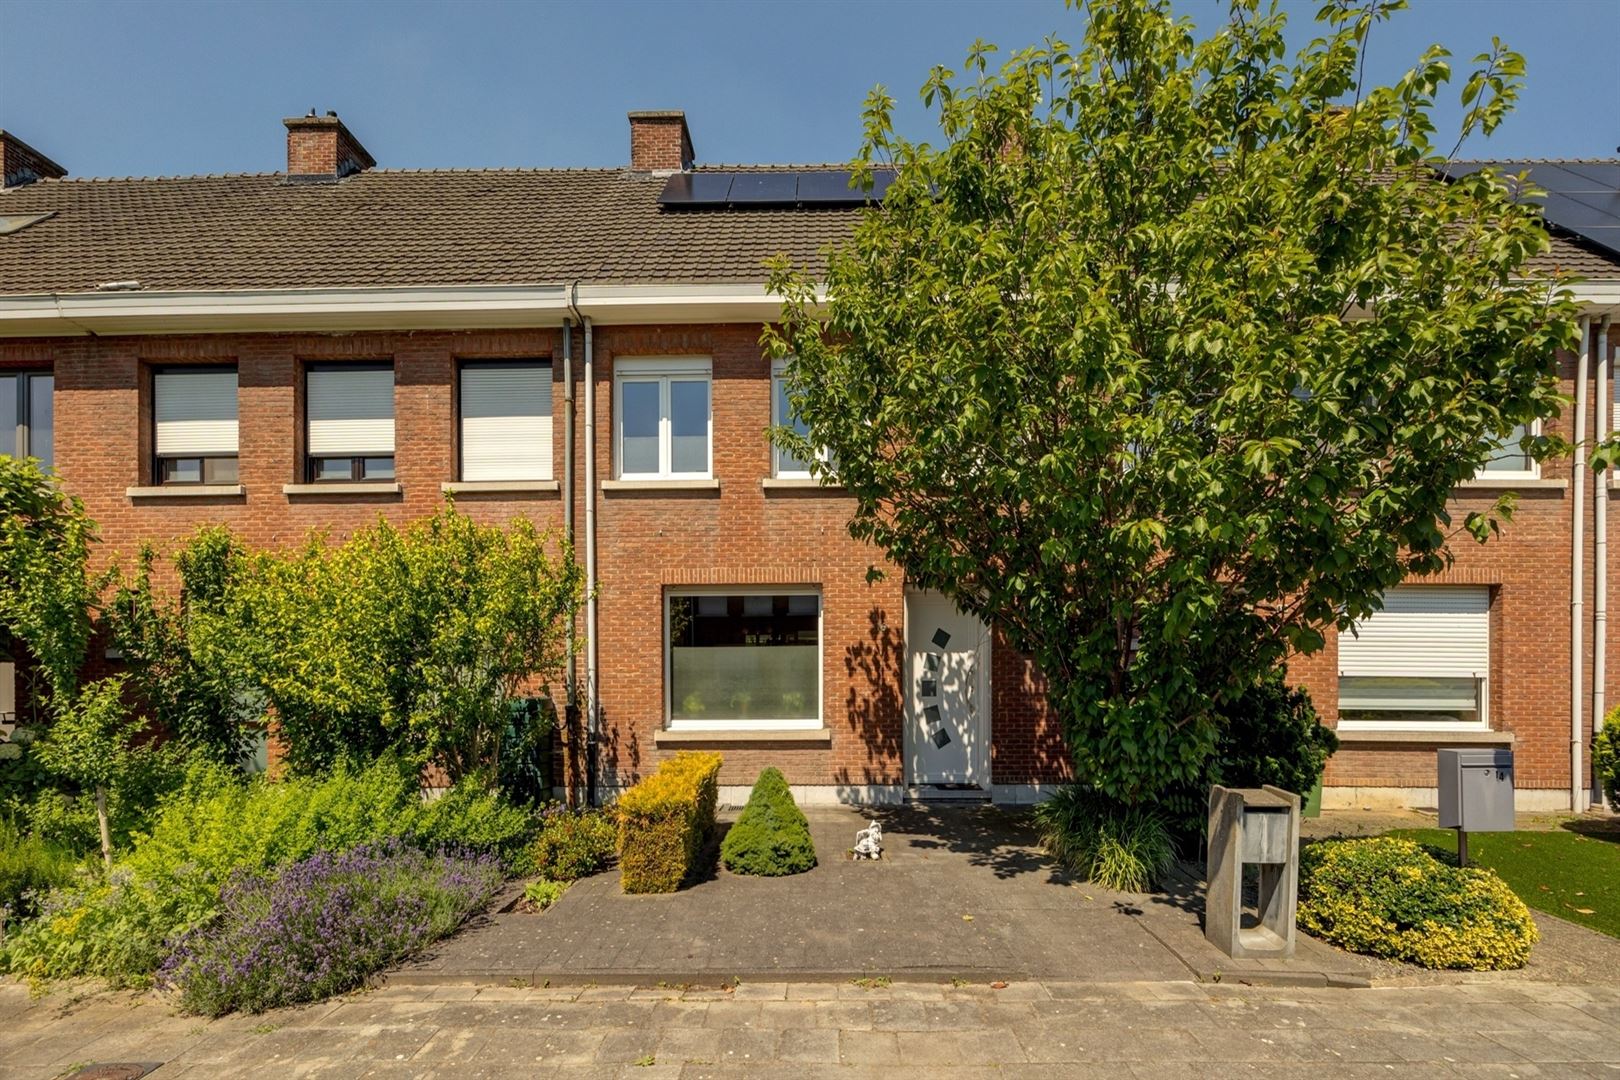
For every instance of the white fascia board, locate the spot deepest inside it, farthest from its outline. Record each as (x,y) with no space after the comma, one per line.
(449,308)
(1596,297)
(150,312)
(609,305)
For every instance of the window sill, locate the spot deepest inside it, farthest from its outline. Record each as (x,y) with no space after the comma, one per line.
(1507,483)
(498,487)
(352,487)
(1429,737)
(797,483)
(611,486)
(742,736)
(187,491)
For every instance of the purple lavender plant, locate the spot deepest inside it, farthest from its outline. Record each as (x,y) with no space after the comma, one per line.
(324,925)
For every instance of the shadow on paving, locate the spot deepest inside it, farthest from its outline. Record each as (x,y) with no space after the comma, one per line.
(961,891)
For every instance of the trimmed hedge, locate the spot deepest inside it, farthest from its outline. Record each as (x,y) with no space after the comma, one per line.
(771,837)
(1388,897)
(664,820)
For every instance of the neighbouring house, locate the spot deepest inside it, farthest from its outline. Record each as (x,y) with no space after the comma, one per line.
(320,346)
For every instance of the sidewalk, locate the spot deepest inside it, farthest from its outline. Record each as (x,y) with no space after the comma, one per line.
(1056,1029)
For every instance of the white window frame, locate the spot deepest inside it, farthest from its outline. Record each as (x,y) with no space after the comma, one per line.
(1532,473)
(814,724)
(661,370)
(778,369)
(1482,680)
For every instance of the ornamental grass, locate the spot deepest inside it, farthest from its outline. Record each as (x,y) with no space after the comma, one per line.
(325,925)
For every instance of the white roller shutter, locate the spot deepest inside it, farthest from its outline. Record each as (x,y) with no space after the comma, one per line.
(1433,631)
(351,412)
(506,422)
(195,412)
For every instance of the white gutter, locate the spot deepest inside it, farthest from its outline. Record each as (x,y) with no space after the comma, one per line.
(473,307)
(1600,529)
(1577,585)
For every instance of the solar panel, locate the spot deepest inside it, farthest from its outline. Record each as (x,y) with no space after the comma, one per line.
(1582,198)
(1604,175)
(831,186)
(822,187)
(763,188)
(687,188)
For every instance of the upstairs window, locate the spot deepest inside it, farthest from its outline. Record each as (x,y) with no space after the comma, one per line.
(785,465)
(27,418)
(350,415)
(663,424)
(194,425)
(506,420)
(1509,460)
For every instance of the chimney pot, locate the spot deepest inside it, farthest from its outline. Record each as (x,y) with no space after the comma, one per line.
(21,164)
(322,148)
(660,141)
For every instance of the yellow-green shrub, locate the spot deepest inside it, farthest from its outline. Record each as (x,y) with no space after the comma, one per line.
(664,820)
(1390,898)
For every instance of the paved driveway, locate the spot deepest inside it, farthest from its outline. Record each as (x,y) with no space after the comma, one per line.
(960,891)
(1078,1030)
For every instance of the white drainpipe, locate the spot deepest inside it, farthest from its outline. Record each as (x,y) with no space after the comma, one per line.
(1577,584)
(593,710)
(1600,528)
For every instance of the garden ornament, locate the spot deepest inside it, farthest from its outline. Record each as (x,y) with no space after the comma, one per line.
(869,842)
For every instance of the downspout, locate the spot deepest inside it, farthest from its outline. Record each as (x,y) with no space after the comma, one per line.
(593,710)
(1577,584)
(1600,528)
(571,713)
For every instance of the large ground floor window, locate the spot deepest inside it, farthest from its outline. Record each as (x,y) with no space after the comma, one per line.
(743,659)
(1420,663)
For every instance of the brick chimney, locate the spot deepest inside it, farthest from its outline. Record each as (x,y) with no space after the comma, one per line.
(322,148)
(660,141)
(21,164)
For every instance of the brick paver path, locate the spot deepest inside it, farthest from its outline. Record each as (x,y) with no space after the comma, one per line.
(1178,1030)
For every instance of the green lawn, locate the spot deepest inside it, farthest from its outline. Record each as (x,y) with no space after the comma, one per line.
(1561,872)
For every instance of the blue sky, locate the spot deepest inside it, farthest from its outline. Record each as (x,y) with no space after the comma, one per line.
(149,88)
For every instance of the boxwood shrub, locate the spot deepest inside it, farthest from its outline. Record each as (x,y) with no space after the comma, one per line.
(771,837)
(664,821)
(573,843)
(1388,897)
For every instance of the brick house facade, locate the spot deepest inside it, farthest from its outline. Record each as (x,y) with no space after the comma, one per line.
(105,284)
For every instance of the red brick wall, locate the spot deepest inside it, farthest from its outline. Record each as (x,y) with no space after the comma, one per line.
(1528,569)
(742,534)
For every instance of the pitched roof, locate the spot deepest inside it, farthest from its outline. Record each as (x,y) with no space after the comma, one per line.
(385,228)
(392,228)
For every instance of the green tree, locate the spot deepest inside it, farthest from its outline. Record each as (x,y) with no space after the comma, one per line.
(207,706)
(91,744)
(1171,353)
(414,639)
(47,597)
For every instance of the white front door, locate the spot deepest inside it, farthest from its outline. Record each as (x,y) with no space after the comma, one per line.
(947,693)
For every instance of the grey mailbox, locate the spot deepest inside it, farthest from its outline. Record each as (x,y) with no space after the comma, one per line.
(1476,792)
(1260,827)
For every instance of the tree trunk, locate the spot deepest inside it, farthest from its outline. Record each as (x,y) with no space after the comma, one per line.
(106,829)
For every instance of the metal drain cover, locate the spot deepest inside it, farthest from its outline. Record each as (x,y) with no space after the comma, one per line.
(116,1070)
